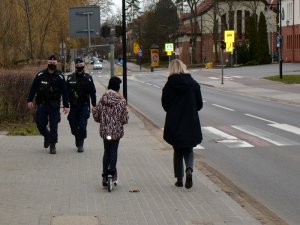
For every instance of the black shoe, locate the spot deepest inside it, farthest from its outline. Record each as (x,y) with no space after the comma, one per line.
(46,143)
(189,178)
(179,183)
(80,149)
(115,178)
(52,149)
(80,146)
(104,181)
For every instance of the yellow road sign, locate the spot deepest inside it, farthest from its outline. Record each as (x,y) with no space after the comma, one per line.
(229,47)
(229,36)
(169,53)
(136,48)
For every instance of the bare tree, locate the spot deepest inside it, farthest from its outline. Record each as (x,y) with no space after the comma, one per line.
(194,26)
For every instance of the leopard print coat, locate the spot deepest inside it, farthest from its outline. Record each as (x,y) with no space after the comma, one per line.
(111,112)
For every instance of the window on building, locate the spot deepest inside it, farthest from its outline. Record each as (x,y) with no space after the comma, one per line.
(231,20)
(223,25)
(239,24)
(247,16)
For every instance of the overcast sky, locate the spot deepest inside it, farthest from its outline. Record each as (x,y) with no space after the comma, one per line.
(118,3)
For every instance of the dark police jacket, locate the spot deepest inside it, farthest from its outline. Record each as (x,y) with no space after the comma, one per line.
(81,89)
(48,89)
(182,99)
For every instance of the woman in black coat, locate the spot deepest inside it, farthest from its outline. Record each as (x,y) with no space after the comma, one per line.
(182,99)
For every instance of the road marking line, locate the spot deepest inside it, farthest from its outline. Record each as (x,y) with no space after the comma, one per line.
(272,138)
(286,127)
(214,78)
(228,140)
(256,117)
(223,107)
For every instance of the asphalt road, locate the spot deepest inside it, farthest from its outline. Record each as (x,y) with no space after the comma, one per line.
(254,143)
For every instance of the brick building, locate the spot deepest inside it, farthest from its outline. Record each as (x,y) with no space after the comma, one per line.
(291,30)
(227,15)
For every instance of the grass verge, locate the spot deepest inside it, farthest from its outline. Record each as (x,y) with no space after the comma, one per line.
(19,129)
(286,79)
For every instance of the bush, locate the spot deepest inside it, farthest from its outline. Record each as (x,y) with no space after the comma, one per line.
(242,54)
(252,63)
(14,88)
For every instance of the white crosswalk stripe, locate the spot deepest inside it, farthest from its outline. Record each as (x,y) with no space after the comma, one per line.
(270,137)
(217,136)
(286,127)
(226,139)
(198,147)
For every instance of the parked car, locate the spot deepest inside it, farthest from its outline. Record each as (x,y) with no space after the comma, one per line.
(97,65)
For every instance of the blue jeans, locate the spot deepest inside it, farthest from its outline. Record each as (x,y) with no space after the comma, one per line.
(181,154)
(78,117)
(110,156)
(45,114)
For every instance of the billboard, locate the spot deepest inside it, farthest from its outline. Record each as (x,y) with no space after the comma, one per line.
(84,20)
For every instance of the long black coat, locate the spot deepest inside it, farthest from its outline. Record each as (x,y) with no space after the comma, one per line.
(182,99)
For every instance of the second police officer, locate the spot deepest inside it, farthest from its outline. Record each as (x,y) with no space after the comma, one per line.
(81,90)
(48,86)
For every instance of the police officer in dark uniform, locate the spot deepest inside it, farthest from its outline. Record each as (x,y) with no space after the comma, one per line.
(48,86)
(81,91)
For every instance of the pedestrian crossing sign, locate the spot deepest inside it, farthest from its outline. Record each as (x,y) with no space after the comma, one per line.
(169,47)
(229,36)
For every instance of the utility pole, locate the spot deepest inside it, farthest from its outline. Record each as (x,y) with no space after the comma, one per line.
(140,44)
(124,50)
(112,55)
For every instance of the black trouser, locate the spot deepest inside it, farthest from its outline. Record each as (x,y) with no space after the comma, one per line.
(181,154)
(110,156)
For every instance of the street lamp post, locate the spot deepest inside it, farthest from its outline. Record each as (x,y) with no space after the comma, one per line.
(279,34)
(124,50)
(280,40)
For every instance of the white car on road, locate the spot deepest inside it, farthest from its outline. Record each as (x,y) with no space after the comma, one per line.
(97,65)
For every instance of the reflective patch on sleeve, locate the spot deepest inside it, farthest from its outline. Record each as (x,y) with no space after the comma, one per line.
(39,74)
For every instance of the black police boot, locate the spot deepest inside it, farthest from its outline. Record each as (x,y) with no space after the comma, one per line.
(52,148)
(46,143)
(80,146)
(77,142)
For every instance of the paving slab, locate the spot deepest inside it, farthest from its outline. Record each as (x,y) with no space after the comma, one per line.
(37,188)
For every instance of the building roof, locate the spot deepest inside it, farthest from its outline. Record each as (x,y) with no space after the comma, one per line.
(206,5)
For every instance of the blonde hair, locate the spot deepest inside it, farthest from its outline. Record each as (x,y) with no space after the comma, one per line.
(176,66)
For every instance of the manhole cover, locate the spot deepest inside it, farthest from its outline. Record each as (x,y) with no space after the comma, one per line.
(74,220)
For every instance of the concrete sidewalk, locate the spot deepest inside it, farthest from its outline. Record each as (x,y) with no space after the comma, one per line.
(37,188)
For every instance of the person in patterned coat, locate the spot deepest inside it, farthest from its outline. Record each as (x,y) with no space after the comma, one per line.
(111,112)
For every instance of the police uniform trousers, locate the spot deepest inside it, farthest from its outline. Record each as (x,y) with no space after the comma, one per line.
(78,117)
(47,114)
